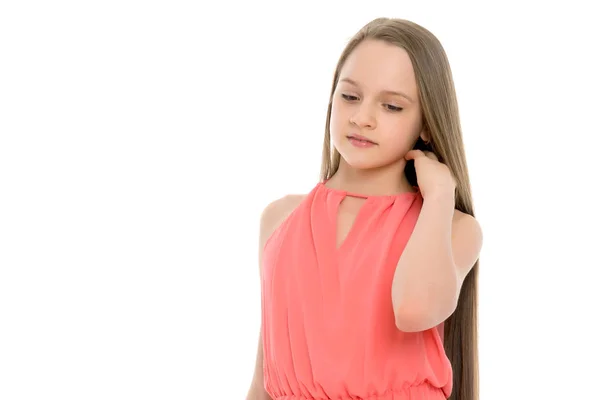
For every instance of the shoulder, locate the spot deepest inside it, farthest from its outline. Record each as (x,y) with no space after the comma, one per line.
(466,224)
(467,240)
(275,212)
(279,209)
(282,205)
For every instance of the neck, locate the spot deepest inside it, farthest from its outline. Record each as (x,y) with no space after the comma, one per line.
(386,180)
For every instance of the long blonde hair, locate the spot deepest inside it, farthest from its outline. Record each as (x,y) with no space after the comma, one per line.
(441,118)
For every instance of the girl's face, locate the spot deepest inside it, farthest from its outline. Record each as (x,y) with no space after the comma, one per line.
(376,98)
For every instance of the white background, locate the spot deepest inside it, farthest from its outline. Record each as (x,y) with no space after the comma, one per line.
(141,140)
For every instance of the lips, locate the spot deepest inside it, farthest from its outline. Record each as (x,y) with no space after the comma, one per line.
(360,137)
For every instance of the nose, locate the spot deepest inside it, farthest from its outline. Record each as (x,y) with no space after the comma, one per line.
(363,118)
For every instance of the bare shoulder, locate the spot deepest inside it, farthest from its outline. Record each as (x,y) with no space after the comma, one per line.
(467,240)
(275,213)
(465,223)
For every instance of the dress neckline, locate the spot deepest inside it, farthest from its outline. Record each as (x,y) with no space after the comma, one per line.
(343,192)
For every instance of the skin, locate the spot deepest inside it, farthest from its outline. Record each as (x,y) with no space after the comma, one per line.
(272,216)
(362,106)
(445,242)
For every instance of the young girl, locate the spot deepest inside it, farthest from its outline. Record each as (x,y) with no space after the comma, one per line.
(369,282)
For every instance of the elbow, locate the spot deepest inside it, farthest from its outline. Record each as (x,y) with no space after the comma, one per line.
(423,315)
(411,319)
(424,307)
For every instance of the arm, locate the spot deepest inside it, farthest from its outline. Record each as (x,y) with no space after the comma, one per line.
(257,388)
(441,251)
(272,216)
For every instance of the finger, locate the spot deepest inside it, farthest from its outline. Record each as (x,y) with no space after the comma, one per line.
(412,154)
(431,154)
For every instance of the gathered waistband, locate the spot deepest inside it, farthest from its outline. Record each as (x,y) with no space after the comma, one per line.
(421,392)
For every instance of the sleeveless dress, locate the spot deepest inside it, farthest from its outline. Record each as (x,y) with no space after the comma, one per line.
(328,323)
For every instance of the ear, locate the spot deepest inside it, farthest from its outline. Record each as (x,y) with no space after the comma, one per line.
(425,136)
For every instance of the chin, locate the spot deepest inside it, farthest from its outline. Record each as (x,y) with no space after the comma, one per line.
(363,162)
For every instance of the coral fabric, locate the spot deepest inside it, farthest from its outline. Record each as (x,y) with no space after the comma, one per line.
(328,324)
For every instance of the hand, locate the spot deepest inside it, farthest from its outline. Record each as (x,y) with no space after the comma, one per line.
(433,177)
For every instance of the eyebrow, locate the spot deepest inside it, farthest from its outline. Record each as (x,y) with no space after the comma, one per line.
(392,92)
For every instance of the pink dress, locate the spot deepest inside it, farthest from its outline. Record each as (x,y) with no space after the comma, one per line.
(328,324)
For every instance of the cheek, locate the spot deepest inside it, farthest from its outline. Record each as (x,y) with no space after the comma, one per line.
(401,143)
(400,138)
(338,120)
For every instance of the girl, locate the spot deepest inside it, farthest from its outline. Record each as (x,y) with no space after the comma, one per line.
(369,282)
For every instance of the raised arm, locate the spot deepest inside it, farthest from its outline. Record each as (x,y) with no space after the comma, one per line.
(439,254)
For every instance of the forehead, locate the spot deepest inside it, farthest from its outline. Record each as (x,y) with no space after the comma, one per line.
(377,65)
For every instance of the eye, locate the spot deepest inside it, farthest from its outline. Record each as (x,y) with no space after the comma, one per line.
(348,97)
(392,108)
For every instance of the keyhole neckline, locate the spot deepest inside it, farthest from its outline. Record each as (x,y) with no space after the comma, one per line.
(344,193)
